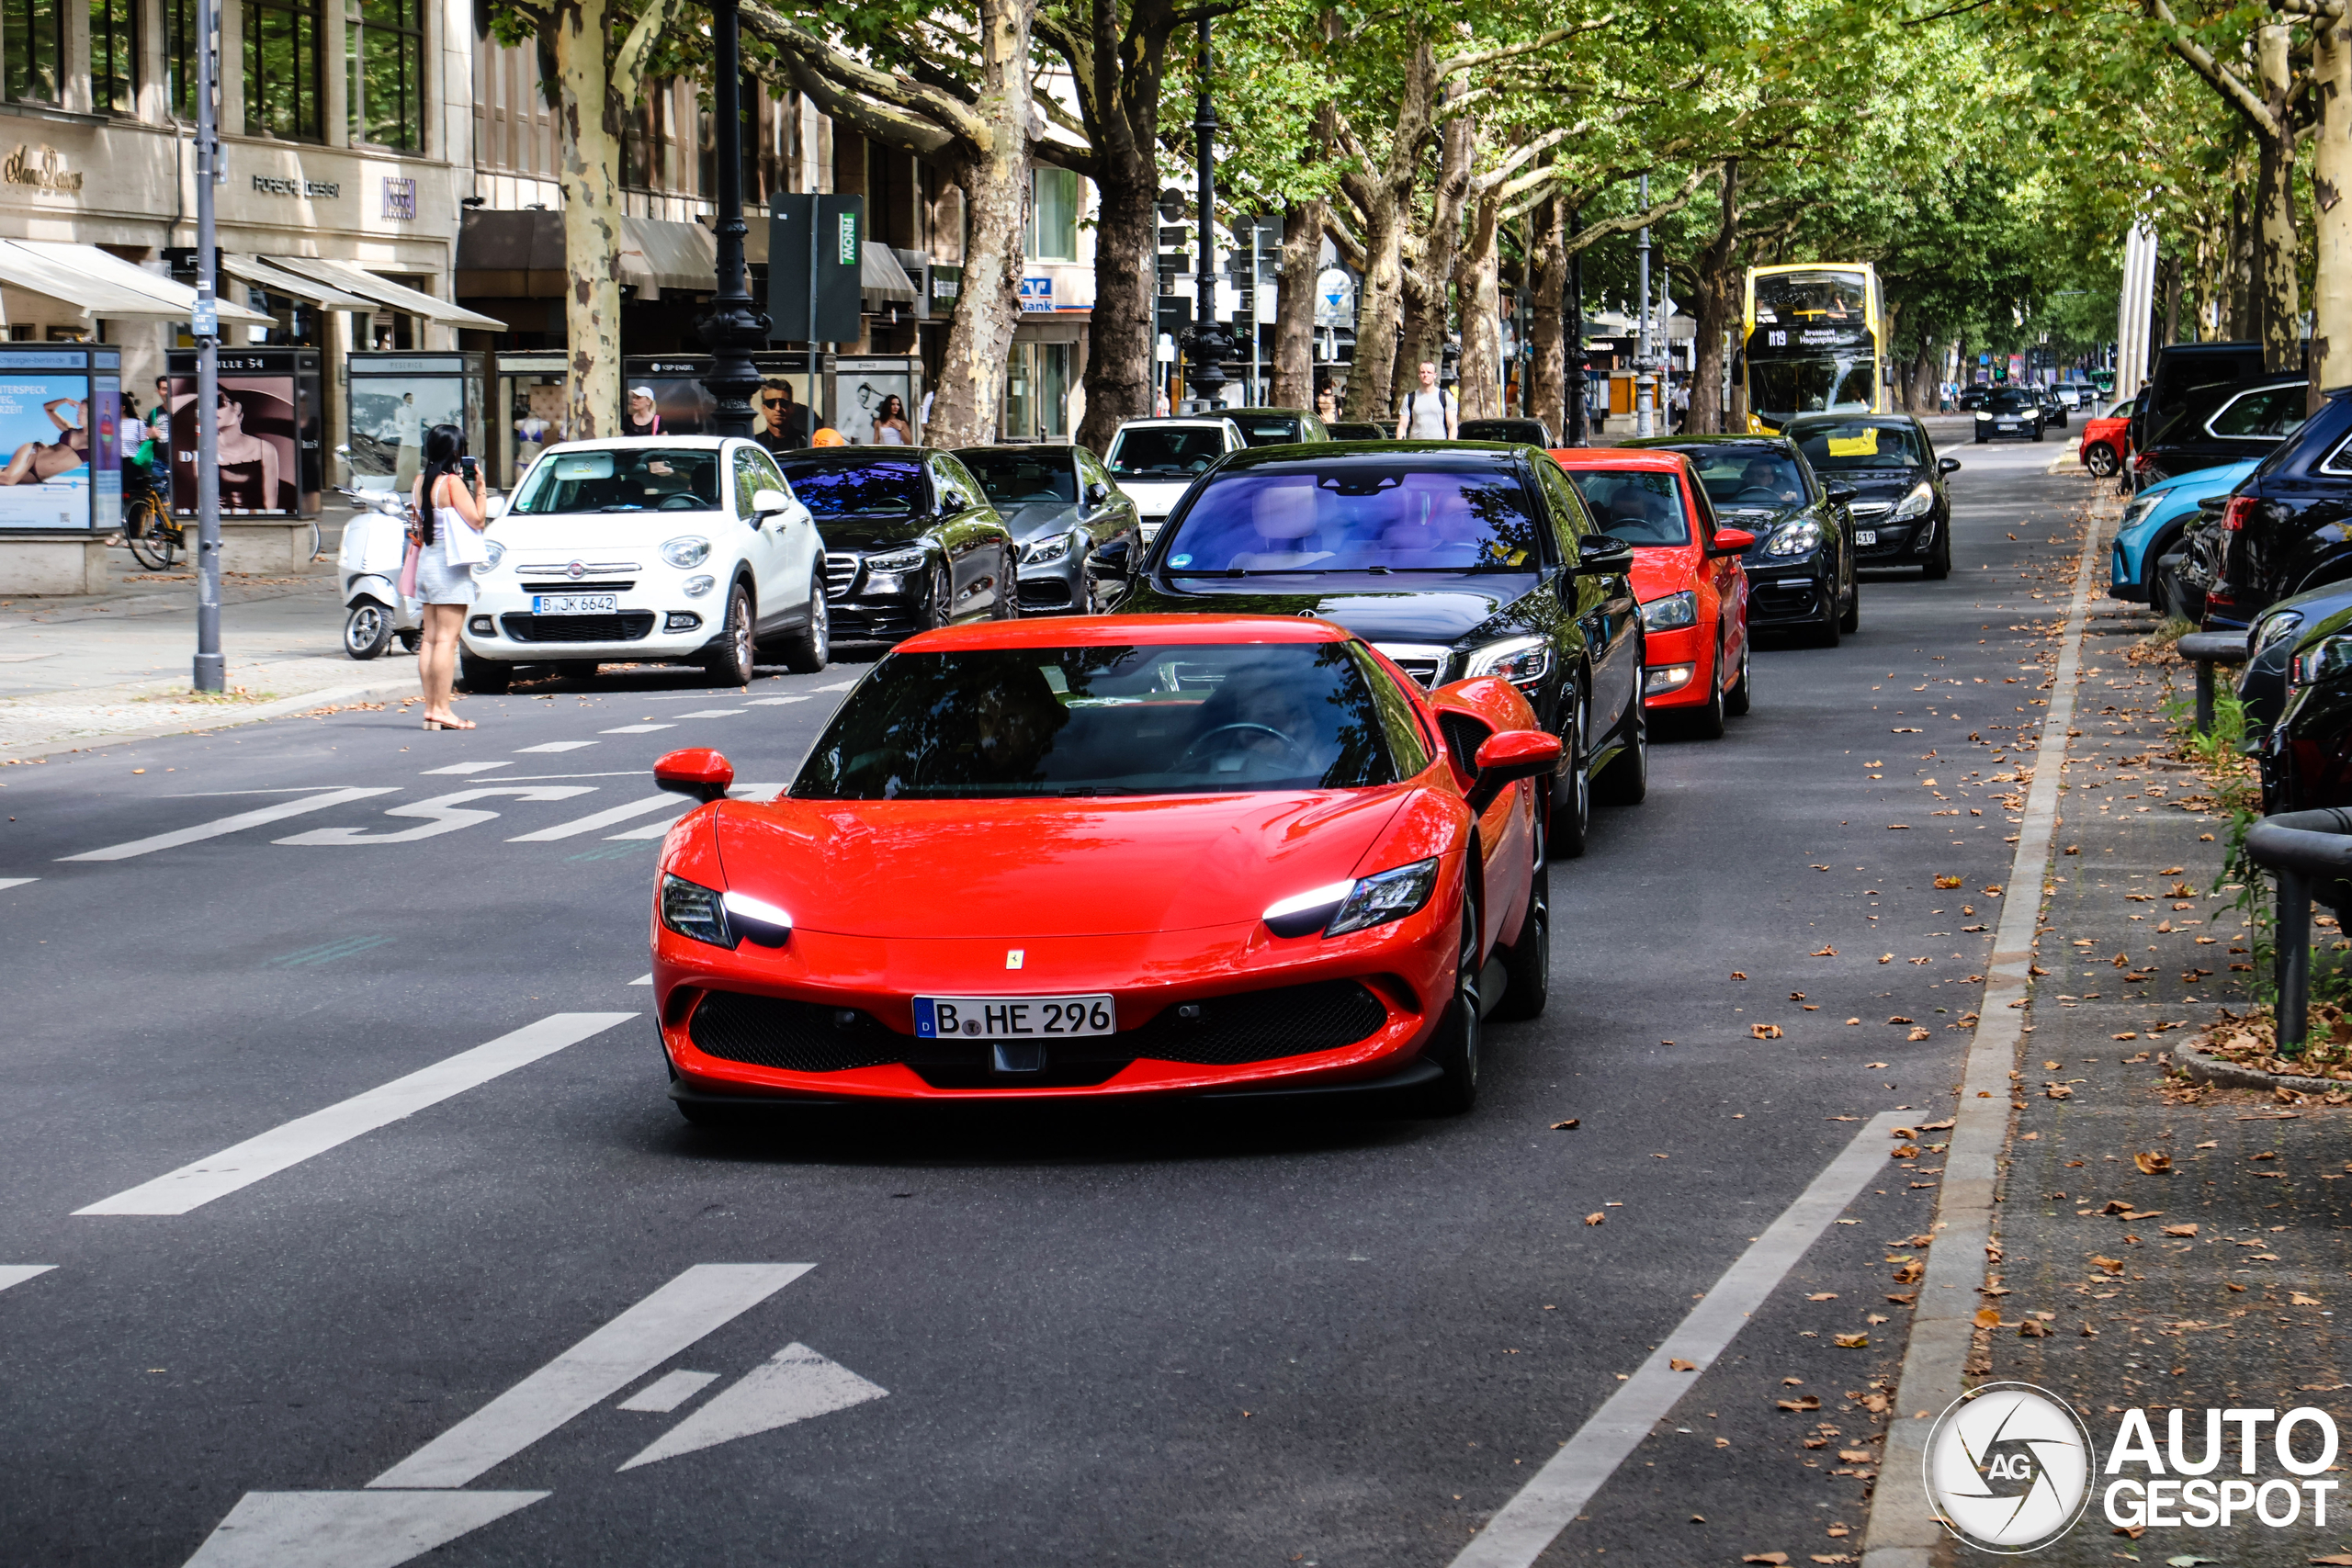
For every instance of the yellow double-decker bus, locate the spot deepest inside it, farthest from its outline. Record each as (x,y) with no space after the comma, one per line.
(1813,342)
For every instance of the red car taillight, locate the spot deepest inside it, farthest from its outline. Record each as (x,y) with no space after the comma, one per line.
(2139,461)
(2234,516)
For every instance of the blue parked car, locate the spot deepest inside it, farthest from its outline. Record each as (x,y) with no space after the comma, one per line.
(2151,527)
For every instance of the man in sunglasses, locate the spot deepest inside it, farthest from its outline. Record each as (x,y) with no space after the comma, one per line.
(784,424)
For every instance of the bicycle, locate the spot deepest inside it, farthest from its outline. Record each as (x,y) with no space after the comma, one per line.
(149,528)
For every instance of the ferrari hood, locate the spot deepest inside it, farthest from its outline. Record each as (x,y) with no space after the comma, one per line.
(1031,868)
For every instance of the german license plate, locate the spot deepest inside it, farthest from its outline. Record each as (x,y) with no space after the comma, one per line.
(1866,535)
(576,603)
(1013,1018)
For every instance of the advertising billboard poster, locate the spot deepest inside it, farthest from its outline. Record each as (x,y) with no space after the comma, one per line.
(395,399)
(259,444)
(45,434)
(862,389)
(679,403)
(105,461)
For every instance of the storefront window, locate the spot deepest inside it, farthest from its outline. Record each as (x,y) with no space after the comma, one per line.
(33,32)
(282,69)
(1053,214)
(180,56)
(385,40)
(114,56)
(1036,392)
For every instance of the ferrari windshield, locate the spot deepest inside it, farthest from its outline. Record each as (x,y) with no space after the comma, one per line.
(887,489)
(1372,514)
(1637,507)
(1859,445)
(1185,719)
(622,478)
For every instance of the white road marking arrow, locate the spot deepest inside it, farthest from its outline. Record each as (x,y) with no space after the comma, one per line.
(243,819)
(444,813)
(794,1385)
(347,1529)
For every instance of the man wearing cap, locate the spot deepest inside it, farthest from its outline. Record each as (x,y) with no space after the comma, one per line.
(642,420)
(783,423)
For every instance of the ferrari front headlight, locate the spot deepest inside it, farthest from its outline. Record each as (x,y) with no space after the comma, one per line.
(1390,895)
(695,912)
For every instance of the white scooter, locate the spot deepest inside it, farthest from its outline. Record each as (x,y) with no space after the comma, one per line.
(374,542)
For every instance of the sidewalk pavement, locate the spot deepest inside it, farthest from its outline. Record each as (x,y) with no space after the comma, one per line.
(2157,1246)
(115,665)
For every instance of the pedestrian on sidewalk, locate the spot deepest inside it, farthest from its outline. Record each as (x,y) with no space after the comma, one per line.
(445,545)
(1429,413)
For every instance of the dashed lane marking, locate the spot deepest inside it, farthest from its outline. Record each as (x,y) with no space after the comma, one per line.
(610,816)
(642,980)
(17,1273)
(711,713)
(635,728)
(779,702)
(1527,1525)
(468,768)
(324,953)
(443,814)
(554,746)
(242,820)
(6,882)
(240,1164)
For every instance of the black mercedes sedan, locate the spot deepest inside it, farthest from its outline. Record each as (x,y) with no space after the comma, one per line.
(1801,568)
(2288,526)
(1060,505)
(1454,561)
(1902,515)
(910,540)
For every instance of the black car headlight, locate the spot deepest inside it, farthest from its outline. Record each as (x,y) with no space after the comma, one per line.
(1918,504)
(897,560)
(1045,551)
(693,910)
(1344,906)
(1799,538)
(1522,660)
(1671,612)
(2326,660)
(2271,628)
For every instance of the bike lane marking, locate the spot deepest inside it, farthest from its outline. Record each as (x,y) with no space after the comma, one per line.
(1524,1528)
(466,768)
(610,816)
(240,1164)
(554,746)
(443,814)
(753,793)
(241,821)
(6,882)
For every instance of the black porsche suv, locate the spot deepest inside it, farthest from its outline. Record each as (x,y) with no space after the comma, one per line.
(1453,559)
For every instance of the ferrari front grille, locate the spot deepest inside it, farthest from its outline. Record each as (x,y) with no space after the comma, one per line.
(1261,1026)
(793,1037)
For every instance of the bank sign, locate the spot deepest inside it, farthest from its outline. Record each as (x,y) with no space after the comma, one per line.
(2012,1468)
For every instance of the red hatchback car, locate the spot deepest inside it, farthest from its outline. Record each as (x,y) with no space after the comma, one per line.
(1118,856)
(1687,574)
(2106,440)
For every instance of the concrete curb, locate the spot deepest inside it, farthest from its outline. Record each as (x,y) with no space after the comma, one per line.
(2202,1068)
(231,718)
(1903,1531)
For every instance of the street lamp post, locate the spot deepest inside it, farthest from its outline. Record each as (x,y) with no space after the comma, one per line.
(735,327)
(1578,360)
(1644,363)
(212,666)
(1205,345)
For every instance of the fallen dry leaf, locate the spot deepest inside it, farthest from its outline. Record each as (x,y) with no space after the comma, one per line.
(1904,1151)
(1764,1030)
(1825,951)
(1801,1403)
(2112,1265)
(2127,1035)
(1738,976)
(1852,1341)
(2180,1230)
(2297,1298)
(1947,881)
(1679,1365)
(1595,1218)
(1988,1317)
(2153,1163)
(1854,1456)
(1917,1034)
(1823,1296)
(1874,1063)
(2034,1328)
(1567,1125)
(1777,1558)
(1792,1383)
(1898,1018)
(1853,1020)
(1886,958)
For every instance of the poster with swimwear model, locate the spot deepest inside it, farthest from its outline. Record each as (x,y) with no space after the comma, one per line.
(45,435)
(257,441)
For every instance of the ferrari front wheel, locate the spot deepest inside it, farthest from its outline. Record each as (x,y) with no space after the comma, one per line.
(1455,1050)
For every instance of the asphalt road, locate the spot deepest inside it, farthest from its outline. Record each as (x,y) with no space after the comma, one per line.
(1178,1337)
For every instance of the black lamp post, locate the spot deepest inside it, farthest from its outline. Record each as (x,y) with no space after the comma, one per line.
(1576,358)
(1205,345)
(735,327)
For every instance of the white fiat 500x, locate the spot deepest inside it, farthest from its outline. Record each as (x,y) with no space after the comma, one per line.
(653,549)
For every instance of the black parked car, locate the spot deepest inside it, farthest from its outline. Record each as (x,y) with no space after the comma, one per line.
(1354,430)
(1902,514)
(1519,432)
(2229,423)
(2181,368)
(1453,561)
(1972,397)
(2053,408)
(1277,427)
(1060,506)
(2012,412)
(2274,638)
(2288,526)
(1801,568)
(2306,757)
(910,540)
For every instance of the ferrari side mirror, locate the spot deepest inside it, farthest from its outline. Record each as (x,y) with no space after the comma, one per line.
(697,771)
(1508,757)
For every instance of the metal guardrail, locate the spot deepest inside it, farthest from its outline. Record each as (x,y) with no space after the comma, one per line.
(2301,847)
(2205,650)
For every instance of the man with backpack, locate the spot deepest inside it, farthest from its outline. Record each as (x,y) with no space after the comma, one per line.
(1430,413)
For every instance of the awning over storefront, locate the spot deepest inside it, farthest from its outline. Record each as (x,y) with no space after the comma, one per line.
(511,255)
(89,279)
(879,275)
(387,295)
(255,270)
(658,254)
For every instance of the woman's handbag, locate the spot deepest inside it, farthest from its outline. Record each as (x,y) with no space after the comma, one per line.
(408,568)
(461,542)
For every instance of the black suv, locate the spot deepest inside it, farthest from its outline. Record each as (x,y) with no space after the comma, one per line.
(2226,423)
(2288,526)
(1454,561)
(1902,514)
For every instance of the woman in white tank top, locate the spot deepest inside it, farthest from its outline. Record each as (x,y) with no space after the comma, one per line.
(448,508)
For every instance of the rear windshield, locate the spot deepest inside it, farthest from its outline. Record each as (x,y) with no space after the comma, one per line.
(889,489)
(622,478)
(1359,514)
(1522,430)
(1641,509)
(1014,478)
(993,723)
(1166,452)
(1271,429)
(1830,447)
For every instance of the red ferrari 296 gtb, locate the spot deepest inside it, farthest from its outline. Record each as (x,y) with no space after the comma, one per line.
(1122,855)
